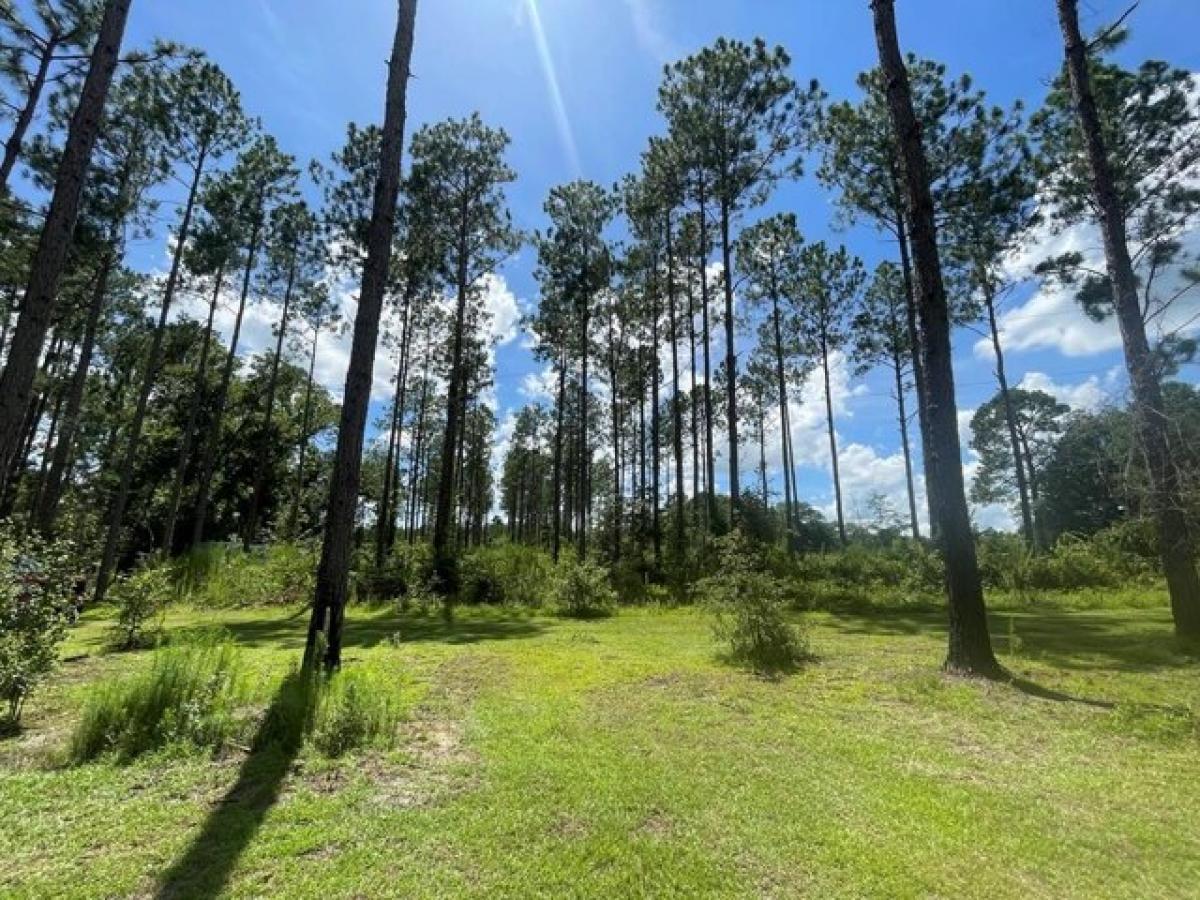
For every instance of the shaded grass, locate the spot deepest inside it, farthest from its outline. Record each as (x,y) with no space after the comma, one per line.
(620,758)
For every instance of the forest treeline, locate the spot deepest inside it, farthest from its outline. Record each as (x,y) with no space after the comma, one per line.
(678,322)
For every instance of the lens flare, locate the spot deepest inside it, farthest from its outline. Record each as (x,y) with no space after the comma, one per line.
(562,120)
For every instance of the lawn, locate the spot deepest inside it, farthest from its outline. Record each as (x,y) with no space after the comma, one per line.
(616,758)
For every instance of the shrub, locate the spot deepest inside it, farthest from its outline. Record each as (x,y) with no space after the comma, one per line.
(278,575)
(511,574)
(582,591)
(188,698)
(749,606)
(140,597)
(35,606)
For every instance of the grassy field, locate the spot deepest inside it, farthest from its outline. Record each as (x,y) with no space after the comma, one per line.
(622,758)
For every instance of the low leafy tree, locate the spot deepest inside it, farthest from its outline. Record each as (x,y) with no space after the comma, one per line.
(34,611)
(748,604)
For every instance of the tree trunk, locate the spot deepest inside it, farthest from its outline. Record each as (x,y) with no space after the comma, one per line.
(833,447)
(694,407)
(116,513)
(559,414)
(730,363)
(306,424)
(615,417)
(443,557)
(915,341)
(676,411)
(193,421)
(211,444)
(655,428)
(55,241)
(1179,562)
(52,487)
(264,443)
(709,457)
(784,418)
(970,646)
(902,415)
(585,459)
(333,574)
(16,140)
(1010,419)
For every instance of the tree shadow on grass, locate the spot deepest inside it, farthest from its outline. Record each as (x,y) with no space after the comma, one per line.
(370,628)
(205,868)
(1078,641)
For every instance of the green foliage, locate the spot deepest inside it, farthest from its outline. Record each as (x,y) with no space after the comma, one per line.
(140,596)
(34,608)
(582,590)
(357,710)
(404,575)
(277,575)
(512,574)
(188,699)
(1074,564)
(749,605)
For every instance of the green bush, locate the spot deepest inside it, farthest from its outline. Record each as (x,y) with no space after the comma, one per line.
(188,698)
(405,575)
(582,591)
(35,605)
(140,596)
(510,574)
(749,606)
(278,575)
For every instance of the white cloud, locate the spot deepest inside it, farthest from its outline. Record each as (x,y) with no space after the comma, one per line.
(1087,395)
(651,36)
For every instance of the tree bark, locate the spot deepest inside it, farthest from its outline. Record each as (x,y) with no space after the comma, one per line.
(709,456)
(730,363)
(676,410)
(54,243)
(52,487)
(902,416)
(305,425)
(1179,561)
(333,574)
(970,646)
(264,443)
(833,447)
(193,420)
(784,430)
(332,587)
(1010,419)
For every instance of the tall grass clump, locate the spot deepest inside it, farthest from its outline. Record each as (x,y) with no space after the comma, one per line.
(346,712)
(188,698)
(749,608)
(277,575)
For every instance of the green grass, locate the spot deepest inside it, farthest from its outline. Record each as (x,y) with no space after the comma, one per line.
(620,757)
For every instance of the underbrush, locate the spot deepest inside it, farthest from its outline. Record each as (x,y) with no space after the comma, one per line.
(509,574)
(199,697)
(188,698)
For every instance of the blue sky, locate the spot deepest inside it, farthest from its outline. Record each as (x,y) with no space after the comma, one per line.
(306,67)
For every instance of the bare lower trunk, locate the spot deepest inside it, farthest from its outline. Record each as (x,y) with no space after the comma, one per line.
(1010,420)
(970,646)
(52,487)
(833,447)
(333,573)
(902,416)
(305,425)
(1166,502)
(193,421)
(730,363)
